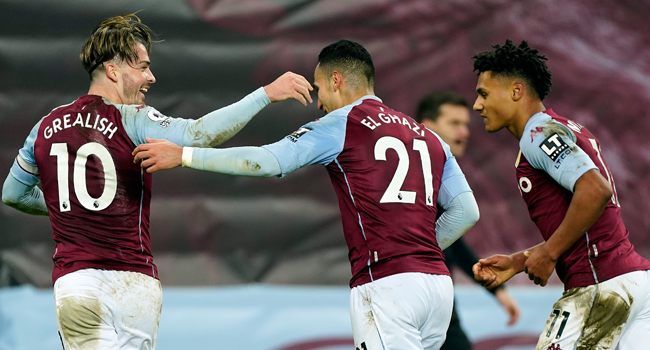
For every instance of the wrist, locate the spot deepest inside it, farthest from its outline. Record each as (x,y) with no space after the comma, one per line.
(186,158)
(551,251)
(518,261)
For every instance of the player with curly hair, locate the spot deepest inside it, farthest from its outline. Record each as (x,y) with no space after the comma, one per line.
(571,197)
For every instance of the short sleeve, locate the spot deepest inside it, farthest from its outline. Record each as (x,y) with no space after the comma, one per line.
(552,148)
(318,142)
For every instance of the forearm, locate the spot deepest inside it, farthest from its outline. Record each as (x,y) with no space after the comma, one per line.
(219,126)
(241,161)
(459,217)
(589,200)
(28,199)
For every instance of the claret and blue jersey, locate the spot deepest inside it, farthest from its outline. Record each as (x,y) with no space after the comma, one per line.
(555,153)
(97,198)
(389,172)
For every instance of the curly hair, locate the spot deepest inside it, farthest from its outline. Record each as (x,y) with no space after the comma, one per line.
(351,59)
(116,37)
(517,62)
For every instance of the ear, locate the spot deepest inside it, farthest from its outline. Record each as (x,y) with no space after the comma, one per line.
(517,91)
(112,71)
(337,80)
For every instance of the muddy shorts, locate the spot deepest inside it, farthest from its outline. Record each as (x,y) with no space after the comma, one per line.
(107,310)
(406,311)
(614,314)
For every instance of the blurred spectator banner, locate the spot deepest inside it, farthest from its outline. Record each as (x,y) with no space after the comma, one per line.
(209,229)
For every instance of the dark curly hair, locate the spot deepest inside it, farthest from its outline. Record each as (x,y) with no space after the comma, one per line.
(517,62)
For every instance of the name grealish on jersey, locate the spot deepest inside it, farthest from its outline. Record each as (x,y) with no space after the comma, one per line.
(391,119)
(64,122)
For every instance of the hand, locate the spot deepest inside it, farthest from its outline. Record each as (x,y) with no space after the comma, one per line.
(494,270)
(289,85)
(540,265)
(158,155)
(509,304)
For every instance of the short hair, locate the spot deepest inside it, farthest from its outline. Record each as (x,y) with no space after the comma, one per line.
(429,106)
(522,62)
(351,59)
(115,37)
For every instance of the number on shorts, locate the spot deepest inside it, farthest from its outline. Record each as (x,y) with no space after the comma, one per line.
(394,193)
(363,346)
(556,312)
(60,151)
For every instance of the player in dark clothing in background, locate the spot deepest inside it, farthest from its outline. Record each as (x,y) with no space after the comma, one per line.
(446,114)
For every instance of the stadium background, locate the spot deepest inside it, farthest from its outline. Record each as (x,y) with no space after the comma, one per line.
(245,235)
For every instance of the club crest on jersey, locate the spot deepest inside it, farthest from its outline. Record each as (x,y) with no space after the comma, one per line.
(553,146)
(156,116)
(298,133)
(535,132)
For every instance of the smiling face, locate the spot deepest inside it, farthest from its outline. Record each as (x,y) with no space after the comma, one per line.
(135,78)
(495,102)
(452,125)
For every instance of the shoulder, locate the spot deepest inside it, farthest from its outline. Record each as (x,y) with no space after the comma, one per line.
(143,114)
(545,134)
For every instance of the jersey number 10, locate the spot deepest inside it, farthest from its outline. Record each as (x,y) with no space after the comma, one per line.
(394,193)
(60,151)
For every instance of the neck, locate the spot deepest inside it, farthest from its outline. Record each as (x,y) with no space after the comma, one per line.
(105,90)
(350,97)
(522,116)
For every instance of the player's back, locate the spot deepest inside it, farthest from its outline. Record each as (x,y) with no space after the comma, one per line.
(387,179)
(97,198)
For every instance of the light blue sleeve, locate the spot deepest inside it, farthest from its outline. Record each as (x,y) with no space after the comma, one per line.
(553,150)
(26,198)
(24,168)
(19,190)
(210,130)
(318,142)
(240,161)
(453,180)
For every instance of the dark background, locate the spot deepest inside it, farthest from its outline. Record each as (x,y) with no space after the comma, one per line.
(209,229)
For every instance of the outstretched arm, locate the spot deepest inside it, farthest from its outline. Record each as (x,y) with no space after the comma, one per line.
(217,126)
(221,125)
(243,161)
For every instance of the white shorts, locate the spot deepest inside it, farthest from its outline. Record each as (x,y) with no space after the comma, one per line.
(402,312)
(614,314)
(108,310)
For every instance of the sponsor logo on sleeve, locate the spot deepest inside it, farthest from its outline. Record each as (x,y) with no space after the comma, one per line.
(156,117)
(298,133)
(553,146)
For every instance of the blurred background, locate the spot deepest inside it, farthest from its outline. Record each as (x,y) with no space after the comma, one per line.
(262,263)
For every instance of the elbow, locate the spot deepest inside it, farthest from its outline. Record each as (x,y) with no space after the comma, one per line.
(10,201)
(604,193)
(472,212)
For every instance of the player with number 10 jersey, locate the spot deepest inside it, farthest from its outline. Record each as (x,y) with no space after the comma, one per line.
(97,198)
